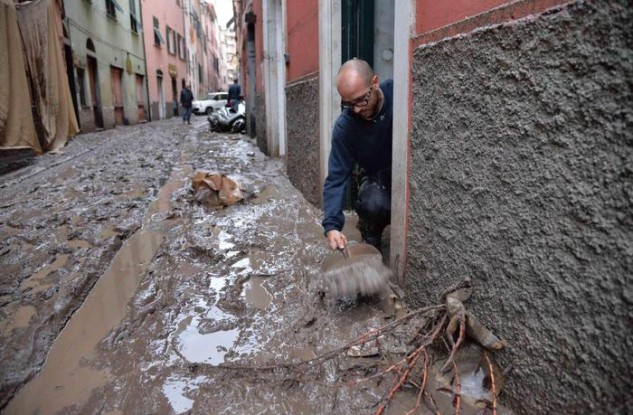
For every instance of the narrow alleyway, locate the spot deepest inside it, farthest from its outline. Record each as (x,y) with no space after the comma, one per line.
(168,306)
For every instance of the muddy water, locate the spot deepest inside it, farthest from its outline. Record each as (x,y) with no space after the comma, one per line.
(65,377)
(199,303)
(62,220)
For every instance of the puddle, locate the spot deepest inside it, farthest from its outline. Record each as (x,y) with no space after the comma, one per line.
(20,319)
(207,348)
(224,238)
(244,263)
(162,204)
(255,294)
(79,243)
(66,379)
(217,283)
(137,193)
(266,194)
(68,173)
(35,279)
(10,230)
(109,232)
(175,391)
(62,233)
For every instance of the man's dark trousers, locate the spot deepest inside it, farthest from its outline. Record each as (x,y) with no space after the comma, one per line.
(373,206)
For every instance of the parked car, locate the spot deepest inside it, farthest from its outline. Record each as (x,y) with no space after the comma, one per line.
(212,102)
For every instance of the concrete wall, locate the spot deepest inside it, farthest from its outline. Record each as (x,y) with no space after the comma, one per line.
(302,118)
(522,178)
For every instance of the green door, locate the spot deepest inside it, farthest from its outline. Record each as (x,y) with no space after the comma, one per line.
(357,32)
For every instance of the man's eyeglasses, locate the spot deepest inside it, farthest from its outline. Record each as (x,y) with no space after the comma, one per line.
(361,102)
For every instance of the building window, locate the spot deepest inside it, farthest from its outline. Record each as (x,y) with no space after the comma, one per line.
(200,73)
(135,23)
(158,38)
(181,48)
(111,7)
(171,46)
(81,81)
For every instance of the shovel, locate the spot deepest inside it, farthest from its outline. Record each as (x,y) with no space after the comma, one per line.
(355,269)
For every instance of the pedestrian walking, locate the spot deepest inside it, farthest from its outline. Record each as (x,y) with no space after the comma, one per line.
(362,134)
(186,98)
(235,93)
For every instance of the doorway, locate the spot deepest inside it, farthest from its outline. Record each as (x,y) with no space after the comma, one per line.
(140,98)
(174,96)
(93,80)
(161,95)
(116,78)
(70,74)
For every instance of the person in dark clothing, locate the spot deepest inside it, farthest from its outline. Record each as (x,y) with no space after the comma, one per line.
(235,91)
(186,98)
(362,134)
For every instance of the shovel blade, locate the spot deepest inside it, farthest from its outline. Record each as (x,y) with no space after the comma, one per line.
(363,272)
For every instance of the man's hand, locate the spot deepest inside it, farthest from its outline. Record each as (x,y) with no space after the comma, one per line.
(336,239)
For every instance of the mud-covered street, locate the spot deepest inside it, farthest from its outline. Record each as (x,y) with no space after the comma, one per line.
(120,294)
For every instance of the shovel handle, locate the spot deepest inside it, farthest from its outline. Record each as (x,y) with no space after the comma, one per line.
(344,252)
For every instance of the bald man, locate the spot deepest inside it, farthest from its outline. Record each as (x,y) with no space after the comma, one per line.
(362,134)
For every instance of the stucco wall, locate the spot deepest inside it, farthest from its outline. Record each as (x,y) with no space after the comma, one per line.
(522,178)
(302,118)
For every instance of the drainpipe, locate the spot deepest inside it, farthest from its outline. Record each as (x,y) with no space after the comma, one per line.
(149,109)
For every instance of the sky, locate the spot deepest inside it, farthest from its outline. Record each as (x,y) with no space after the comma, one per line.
(223,9)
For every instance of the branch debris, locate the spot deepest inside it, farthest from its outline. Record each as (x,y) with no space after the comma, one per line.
(434,325)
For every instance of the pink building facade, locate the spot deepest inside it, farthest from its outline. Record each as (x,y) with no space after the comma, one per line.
(166,55)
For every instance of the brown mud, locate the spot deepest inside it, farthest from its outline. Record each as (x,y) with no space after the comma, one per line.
(145,301)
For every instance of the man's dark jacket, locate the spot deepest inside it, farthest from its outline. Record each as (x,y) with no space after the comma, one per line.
(234,92)
(186,97)
(355,139)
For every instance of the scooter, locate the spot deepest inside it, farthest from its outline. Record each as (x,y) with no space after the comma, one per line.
(226,119)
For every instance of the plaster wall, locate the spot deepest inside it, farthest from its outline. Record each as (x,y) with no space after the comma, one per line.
(522,179)
(435,14)
(302,129)
(158,57)
(115,45)
(302,31)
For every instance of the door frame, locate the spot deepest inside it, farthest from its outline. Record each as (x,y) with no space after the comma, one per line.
(274,18)
(404,23)
(330,39)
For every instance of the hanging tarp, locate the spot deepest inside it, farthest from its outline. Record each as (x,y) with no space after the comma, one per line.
(54,117)
(16,121)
